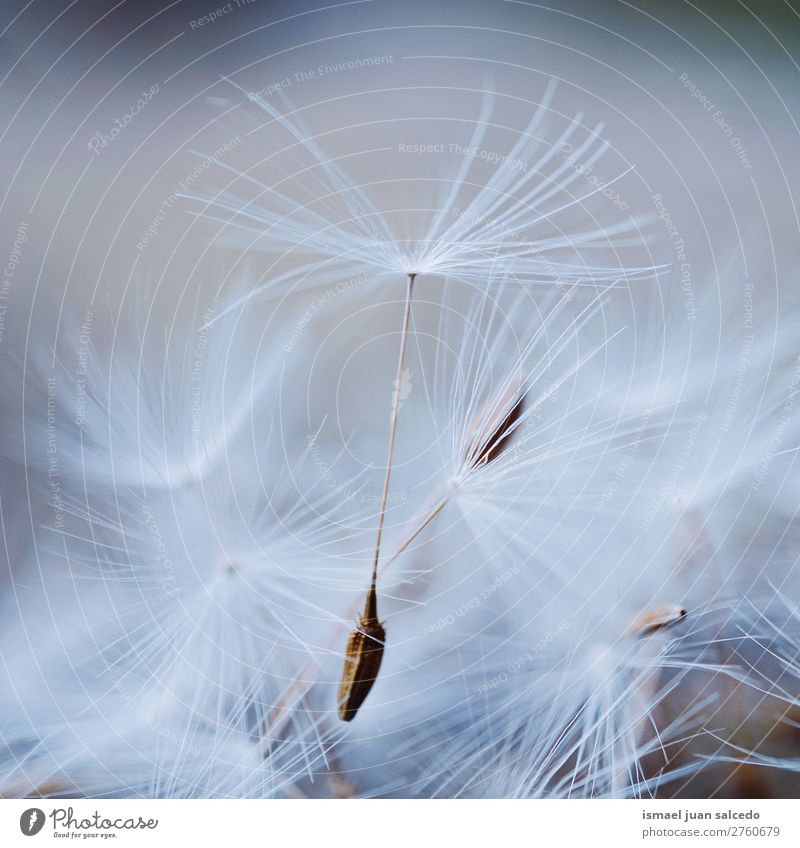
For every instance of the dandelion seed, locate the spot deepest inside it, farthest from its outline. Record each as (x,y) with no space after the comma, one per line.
(365,646)
(498,446)
(488,447)
(362,661)
(494,398)
(656,618)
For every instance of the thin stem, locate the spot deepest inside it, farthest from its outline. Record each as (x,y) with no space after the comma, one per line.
(431,515)
(371,606)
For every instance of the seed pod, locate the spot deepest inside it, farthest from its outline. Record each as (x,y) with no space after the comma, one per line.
(656,618)
(488,439)
(361,663)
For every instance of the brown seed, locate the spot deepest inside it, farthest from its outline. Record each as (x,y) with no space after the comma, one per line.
(361,663)
(365,646)
(487,443)
(656,618)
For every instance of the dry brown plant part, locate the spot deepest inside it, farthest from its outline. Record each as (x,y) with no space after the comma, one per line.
(656,618)
(362,661)
(365,646)
(492,429)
